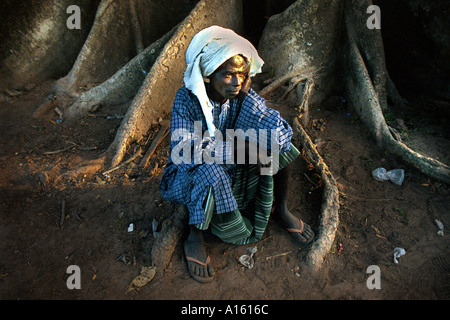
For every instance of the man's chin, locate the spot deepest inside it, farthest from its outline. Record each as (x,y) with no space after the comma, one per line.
(232,94)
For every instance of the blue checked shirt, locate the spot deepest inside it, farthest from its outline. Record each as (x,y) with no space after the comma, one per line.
(197,160)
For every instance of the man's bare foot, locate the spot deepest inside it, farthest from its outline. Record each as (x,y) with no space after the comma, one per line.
(198,261)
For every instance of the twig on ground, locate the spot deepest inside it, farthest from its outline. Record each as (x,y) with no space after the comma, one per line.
(68,148)
(315,184)
(63,213)
(136,155)
(279,255)
(62,150)
(163,132)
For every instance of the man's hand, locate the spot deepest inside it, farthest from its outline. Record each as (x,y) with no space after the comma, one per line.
(244,89)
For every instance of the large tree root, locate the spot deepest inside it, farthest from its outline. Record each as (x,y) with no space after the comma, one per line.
(111,28)
(122,86)
(329,217)
(106,59)
(168,238)
(366,102)
(329,213)
(369,87)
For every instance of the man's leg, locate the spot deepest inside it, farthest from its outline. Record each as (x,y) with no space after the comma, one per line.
(197,258)
(209,176)
(299,230)
(194,246)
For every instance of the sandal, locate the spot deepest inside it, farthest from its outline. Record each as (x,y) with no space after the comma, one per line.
(207,267)
(303,235)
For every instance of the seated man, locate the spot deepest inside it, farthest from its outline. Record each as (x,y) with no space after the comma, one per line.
(229,194)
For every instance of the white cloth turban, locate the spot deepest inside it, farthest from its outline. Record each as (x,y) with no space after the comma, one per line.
(208,50)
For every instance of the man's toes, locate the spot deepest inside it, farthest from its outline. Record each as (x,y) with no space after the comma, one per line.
(195,270)
(210,271)
(201,271)
(307,232)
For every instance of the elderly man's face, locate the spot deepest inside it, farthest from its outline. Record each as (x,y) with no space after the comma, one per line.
(227,80)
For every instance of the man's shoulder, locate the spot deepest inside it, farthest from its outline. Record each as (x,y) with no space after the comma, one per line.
(186,102)
(255,96)
(185,95)
(254,100)
(183,91)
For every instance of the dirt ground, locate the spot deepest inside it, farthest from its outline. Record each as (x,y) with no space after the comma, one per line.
(37,245)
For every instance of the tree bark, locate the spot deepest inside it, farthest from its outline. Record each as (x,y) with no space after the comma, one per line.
(36,44)
(122,86)
(329,212)
(94,64)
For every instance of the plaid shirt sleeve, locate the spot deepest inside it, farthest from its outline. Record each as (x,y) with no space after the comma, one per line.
(255,118)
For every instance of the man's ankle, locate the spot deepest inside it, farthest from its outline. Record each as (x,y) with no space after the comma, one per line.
(195,235)
(280,207)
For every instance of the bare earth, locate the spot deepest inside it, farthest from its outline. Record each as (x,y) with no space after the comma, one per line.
(37,245)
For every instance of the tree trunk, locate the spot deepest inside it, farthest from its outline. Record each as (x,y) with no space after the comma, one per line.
(36,44)
(121,87)
(94,64)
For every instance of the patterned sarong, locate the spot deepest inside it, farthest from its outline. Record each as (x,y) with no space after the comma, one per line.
(254,195)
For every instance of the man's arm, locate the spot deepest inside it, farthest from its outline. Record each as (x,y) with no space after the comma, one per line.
(254,114)
(187,135)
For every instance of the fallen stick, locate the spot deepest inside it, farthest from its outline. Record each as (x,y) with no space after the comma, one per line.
(68,148)
(315,184)
(58,151)
(62,150)
(63,213)
(382,237)
(163,132)
(136,155)
(279,255)
(87,148)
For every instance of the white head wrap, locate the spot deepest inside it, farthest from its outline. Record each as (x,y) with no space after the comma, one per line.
(208,50)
